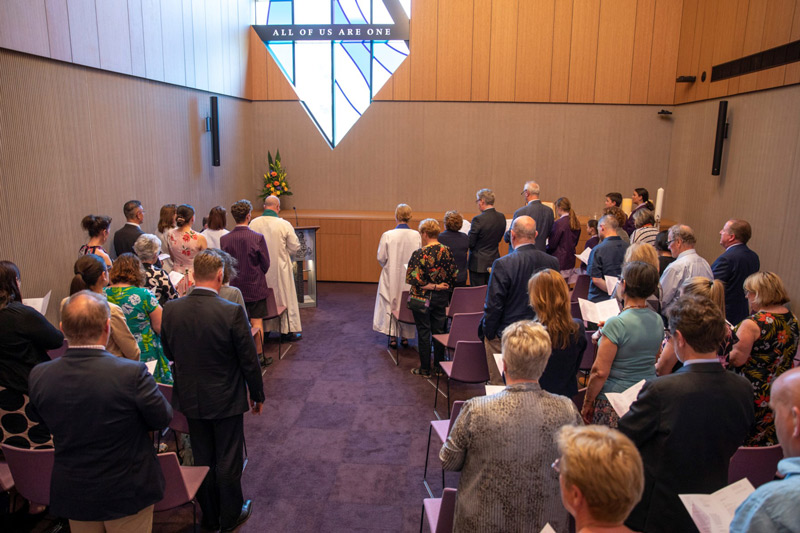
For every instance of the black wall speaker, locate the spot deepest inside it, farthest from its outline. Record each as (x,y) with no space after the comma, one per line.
(215,132)
(722,132)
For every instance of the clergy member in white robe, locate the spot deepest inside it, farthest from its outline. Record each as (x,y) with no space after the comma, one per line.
(282,244)
(394,251)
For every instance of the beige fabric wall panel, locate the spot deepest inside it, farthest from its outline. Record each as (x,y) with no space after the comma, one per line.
(75,141)
(759,176)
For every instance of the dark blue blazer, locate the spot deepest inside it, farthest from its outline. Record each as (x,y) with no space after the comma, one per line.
(124,238)
(544,218)
(507,294)
(732,268)
(485,232)
(459,246)
(215,357)
(687,426)
(99,409)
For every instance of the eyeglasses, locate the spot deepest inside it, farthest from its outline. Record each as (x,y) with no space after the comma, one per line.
(669,243)
(556,465)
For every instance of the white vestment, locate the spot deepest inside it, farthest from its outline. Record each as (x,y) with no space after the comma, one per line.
(394,251)
(282,245)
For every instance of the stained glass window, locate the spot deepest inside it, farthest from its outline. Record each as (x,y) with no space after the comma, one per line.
(334,79)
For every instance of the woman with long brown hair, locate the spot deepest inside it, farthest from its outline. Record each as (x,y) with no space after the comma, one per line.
(549,297)
(564,236)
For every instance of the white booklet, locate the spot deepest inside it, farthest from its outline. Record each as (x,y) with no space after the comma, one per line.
(175,277)
(621,401)
(163,257)
(713,513)
(598,312)
(498,359)
(151,366)
(584,256)
(494,389)
(611,284)
(40,304)
(548,529)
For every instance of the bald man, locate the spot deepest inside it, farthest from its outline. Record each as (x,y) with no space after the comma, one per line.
(507,294)
(773,507)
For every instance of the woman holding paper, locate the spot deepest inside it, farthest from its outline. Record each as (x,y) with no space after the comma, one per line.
(148,248)
(628,347)
(142,312)
(183,244)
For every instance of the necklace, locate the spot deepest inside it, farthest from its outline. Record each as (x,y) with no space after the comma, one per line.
(634,307)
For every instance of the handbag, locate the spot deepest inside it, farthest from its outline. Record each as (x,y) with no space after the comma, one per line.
(419,305)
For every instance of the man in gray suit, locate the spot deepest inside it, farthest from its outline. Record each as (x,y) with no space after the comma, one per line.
(485,233)
(539,212)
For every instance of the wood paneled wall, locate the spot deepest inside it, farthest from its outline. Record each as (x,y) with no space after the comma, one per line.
(201,44)
(717,31)
(759,182)
(77,141)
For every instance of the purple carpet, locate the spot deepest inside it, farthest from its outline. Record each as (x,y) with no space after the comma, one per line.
(341,443)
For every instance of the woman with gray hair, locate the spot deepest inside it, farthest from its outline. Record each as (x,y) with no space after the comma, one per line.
(148,248)
(515,427)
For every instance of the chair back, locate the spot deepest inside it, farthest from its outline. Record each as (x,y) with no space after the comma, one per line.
(404,314)
(464,328)
(31,471)
(58,352)
(469,362)
(758,464)
(578,398)
(581,289)
(467,300)
(178,422)
(575,311)
(587,359)
(272,304)
(454,414)
(447,511)
(175,492)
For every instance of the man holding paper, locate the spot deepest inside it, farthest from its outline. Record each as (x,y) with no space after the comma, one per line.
(605,259)
(687,425)
(773,507)
(507,294)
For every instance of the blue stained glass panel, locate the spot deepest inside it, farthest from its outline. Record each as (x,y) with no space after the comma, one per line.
(280,12)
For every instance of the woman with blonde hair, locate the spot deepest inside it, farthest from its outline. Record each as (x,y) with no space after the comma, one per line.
(601,475)
(549,296)
(767,346)
(564,236)
(714,290)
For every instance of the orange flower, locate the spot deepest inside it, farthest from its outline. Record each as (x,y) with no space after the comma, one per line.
(276,183)
(273,173)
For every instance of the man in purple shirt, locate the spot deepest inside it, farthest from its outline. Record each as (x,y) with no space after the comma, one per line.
(250,250)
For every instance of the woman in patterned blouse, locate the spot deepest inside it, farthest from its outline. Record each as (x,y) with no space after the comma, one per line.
(432,274)
(148,248)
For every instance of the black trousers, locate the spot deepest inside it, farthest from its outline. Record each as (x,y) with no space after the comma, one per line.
(218,445)
(431,323)
(477,279)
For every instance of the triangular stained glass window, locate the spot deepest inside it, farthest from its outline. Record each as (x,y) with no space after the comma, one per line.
(335,78)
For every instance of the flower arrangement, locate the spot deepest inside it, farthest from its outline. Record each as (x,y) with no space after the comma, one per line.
(275,179)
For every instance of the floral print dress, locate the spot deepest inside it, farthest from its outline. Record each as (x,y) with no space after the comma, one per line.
(772,355)
(183,246)
(137,303)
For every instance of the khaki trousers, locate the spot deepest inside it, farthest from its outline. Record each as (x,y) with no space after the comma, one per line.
(141,522)
(492,347)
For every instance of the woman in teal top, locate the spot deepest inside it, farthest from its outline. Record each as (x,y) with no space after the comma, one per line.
(142,312)
(628,347)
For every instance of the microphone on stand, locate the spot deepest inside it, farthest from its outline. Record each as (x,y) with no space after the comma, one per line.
(296,220)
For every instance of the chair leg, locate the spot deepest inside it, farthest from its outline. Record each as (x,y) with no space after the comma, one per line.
(396,358)
(425,472)
(436,398)
(448,399)
(194,516)
(422,517)
(443,481)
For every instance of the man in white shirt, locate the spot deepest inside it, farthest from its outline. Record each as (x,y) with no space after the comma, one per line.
(687,264)
(283,244)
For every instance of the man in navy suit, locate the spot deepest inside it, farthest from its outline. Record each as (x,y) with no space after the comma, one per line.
(687,425)
(485,233)
(733,266)
(507,294)
(126,236)
(215,364)
(99,409)
(539,212)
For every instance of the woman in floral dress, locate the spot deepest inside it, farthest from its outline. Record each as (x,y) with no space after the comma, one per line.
(766,349)
(142,312)
(183,245)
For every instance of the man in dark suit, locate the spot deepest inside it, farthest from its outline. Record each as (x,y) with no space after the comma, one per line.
(215,364)
(99,409)
(606,258)
(733,266)
(507,294)
(539,212)
(125,236)
(485,233)
(687,425)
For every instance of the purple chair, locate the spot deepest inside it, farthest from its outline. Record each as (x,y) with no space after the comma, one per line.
(581,289)
(30,471)
(440,512)
(442,429)
(575,311)
(589,354)
(758,464)
(182,484)
(468,366)
(275,311)
(398,316)
(467,300)
(578,399)
(463,328)
(58,352)
(178,424)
